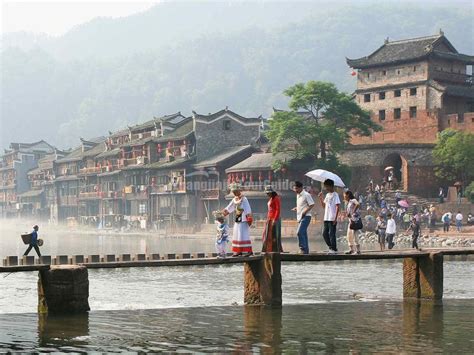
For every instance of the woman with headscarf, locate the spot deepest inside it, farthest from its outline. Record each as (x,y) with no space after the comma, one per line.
(241,244)
(272,232)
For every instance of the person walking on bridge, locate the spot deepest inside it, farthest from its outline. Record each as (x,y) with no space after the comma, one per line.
(355,222)
(34,242)
(331,204)
(243,219)
(272,232)
(304,204)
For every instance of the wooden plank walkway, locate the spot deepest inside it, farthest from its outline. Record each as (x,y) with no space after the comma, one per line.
(285,257)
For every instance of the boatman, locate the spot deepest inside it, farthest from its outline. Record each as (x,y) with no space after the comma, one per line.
(34,242)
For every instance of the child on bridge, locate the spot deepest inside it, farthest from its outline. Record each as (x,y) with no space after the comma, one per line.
(222,235)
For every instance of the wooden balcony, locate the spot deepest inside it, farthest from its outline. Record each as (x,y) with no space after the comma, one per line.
(211,194)
(169,188)
(89,171)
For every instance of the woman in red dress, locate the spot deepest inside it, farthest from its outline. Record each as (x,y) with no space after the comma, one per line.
(272,232)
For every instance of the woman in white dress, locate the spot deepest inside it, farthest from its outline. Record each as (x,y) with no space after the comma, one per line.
(241,243)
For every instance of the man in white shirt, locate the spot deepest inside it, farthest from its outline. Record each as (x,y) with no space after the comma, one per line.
(304,204)
(331,204)
(459,218)
(391,230)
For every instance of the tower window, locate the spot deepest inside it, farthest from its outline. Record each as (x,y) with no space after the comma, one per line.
(382,115)
(397,113)
(397,93)
(413,92)
(412,111)
(366,97)
(226,125)
(382,95)
(384,72)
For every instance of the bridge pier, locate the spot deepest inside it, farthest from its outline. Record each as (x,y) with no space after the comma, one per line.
(423,277)
(63,289)
(262,280)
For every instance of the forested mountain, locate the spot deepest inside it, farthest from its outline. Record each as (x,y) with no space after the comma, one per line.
(108,73)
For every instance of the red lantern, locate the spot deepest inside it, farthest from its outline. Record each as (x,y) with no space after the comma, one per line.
(169,144)
(159,148)
(229,178)
(251,177)
(353,73)
(269,176)
(260,176)
(243,177)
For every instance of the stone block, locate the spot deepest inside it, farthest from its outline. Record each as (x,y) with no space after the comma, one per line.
(411,278)
(11,260)
(27,260)
(78,259)
(125,257)
(140,257)
(61,260)
(110,258)
(155,257)
(63,289)
(431,276)
(45,259)
(262,280)
(93,259)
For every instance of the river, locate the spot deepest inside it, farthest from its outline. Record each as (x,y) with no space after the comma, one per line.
(327,307)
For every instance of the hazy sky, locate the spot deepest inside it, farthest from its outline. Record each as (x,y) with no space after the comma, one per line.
(57,17)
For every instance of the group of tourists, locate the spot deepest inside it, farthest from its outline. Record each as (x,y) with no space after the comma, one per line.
(271,239)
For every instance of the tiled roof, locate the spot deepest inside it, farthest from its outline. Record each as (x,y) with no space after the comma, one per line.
(218,114)
(257,161)
(405,51)
(31,193)
(109,153)
(182,132)
(162,164)
(460,91)
(223,155)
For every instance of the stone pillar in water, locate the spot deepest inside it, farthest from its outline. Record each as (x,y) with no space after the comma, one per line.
(63,289)
(423,277)
(262,280)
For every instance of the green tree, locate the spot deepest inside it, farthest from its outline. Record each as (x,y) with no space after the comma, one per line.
(319,124)
(454,156)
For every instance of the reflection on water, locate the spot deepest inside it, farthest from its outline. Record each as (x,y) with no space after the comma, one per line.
(354,327)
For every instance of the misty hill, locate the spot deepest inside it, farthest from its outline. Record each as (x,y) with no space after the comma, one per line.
(108,73)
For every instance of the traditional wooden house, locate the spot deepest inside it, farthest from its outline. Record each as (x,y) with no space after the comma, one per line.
(14,166)
(257,171)
(40,201)
(71,173)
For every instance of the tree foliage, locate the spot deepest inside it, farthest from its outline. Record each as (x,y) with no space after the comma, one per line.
(318,125)
(454,156)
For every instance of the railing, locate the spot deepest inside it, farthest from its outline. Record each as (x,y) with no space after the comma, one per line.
(179,187)
(91,170)
(89,195)
(135,161)
(211,194)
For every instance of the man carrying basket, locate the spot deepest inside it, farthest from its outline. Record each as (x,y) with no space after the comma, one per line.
(34,242)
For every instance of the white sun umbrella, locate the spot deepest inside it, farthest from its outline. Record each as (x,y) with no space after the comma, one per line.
(321,175)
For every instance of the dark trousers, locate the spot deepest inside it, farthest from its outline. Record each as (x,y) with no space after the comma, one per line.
(390,240)
(329,234)
(446,227)
(414,241)
(37,249)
